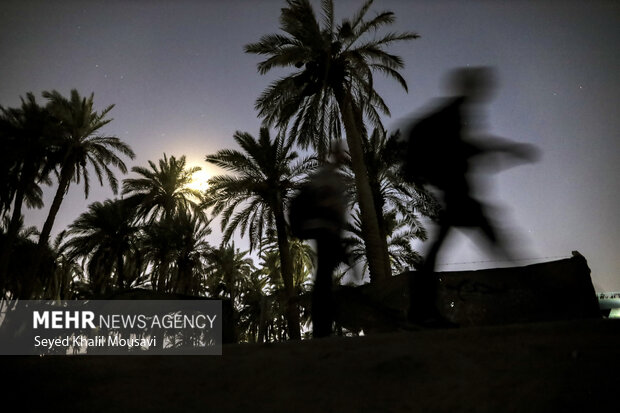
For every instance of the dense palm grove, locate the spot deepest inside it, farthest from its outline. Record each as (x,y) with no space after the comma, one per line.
(154,235)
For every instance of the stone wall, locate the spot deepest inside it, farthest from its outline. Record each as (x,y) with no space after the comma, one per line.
(557,290)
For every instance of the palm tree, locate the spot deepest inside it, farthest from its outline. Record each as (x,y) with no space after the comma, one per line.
(106,236)
(398,204)
(228,269)
(383,158)
(19,282)
(333,86)
(176,249)
(275,295)
(304,259)
(173,237)
(399,235)
(163,192)
(24,232)
(254,311)
(189,232)
(158,252)
(27,134)
(68,274)
(302,256)
(81,145)
(258,192)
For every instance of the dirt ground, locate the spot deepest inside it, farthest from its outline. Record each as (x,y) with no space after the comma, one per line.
(548,367)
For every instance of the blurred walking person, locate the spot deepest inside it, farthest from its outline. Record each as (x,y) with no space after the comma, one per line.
(319,212)
(443,151)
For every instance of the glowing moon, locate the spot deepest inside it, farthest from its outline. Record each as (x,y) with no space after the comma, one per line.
(199,180)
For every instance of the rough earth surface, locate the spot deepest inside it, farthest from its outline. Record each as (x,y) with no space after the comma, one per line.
(557,366)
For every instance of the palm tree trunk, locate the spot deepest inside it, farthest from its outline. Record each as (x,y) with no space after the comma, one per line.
(286,262)
(262,322)
(63,187)
(379,203)
(120,270)
(13,229)
(11,235)
(162,275)
(376,248)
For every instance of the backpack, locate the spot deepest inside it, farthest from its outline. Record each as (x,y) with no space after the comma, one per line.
(427,157)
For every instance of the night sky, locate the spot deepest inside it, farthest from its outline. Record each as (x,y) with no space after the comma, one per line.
(181,84)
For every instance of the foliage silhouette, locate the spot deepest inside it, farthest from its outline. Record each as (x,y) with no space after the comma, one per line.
(264,177)
(81,145)
(176,249)
(332,88)
(61,137)
(28,135)
(162,192)
(398,204)
(106,236)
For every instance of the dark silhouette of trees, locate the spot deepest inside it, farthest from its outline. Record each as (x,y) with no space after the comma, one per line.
(163,190)
(69,281)
(174,226)
(81,146)
(61,137)
(176,249)
(264,177)
(400,235)
(228,270)
(398,204)
(106,236)
(332,87)
(28,135)
(155,236)
(16,282)
(304,261)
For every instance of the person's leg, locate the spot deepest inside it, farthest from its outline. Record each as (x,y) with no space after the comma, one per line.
(423,284)
(431,257)
(497,241)
(322,305)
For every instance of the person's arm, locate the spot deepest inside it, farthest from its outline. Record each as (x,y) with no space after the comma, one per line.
(524,151)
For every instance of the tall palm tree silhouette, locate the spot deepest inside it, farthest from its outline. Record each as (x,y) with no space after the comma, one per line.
(107,237)
(228,269)
(398,203)
(264,177)
(332,87)
(28,135)
(163,190)
(175,225)
(81,146)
